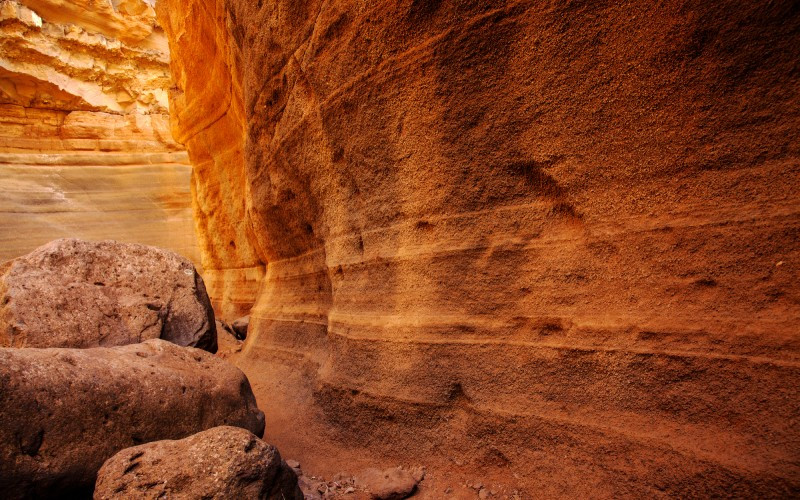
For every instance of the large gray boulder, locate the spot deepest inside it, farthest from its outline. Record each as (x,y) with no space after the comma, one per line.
(74,293)
(220,463)
(65,411)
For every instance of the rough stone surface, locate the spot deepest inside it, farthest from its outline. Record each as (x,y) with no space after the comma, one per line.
(65,411)
(208,116)
(74,293)
(569,225)
(220,463)
(223,326)
(389,484)
(130,21)
(85,144)
(240,327)
(227,343)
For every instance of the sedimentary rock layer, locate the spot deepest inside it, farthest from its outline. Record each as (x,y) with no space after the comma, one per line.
(85,144)
(66,411)
(209,118)
(559,238)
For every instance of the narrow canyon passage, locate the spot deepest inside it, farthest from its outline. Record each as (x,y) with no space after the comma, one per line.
(541,249)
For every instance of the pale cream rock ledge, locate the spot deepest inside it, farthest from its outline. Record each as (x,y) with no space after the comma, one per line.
(85,145)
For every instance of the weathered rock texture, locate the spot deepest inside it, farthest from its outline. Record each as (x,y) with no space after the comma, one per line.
(559,238)
(390,484)
(228,344)
(85,144)
(208,116)
(74,293)
(66,411)
(220,463)
(240,326)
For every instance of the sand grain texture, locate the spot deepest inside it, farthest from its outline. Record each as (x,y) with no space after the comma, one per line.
(558,239)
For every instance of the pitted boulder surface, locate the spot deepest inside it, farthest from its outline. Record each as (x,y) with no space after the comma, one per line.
(65,411)
(220,463)
(74,293)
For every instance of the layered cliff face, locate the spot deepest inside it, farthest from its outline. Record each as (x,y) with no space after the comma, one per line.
(85,143)
(553,241)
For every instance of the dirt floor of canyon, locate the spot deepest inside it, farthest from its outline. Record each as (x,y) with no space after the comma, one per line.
(324,453)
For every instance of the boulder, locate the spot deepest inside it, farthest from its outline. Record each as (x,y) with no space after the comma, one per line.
(65,411)
(389,484)
(74,293)
(227,343)
(240,327)
(221,463)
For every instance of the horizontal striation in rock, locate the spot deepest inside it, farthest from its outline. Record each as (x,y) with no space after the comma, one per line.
(208,117)
(85,144)
(233,290)
(560,239)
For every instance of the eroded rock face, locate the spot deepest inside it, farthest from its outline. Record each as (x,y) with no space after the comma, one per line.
(65,411)
(74,293)
(130,21)
(208,116)
(85,143)
(220,463)
(570,225)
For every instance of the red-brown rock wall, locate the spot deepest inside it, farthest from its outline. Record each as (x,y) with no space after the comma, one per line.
(555,238)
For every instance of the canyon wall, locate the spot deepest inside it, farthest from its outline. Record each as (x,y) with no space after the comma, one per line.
(85,143)
(554,240)
(208,117)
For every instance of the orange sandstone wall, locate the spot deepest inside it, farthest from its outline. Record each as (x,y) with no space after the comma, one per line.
(85,143)
(554,239)
(208,117)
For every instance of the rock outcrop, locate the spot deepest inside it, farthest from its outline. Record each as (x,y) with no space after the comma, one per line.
(390,484)
(74,293)
(220,463)
(66,411)
(85,143)
(553,238)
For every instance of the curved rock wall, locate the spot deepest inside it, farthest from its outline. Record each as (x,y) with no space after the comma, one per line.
(557,238)
(209,118)
(85,143)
